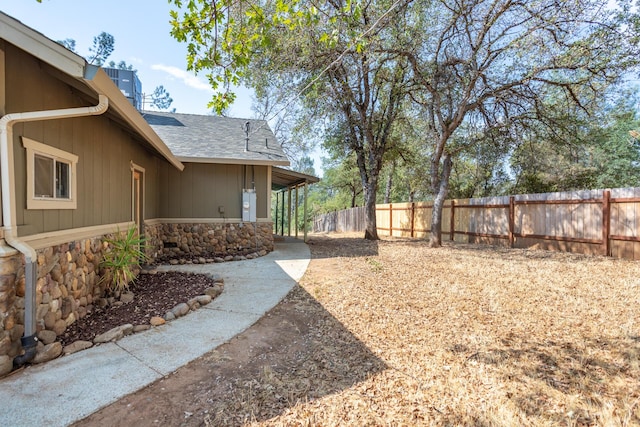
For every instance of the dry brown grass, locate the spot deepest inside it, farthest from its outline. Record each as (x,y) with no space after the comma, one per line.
(475,335)
(393,333)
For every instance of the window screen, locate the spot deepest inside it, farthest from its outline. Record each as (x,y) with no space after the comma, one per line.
(43,179)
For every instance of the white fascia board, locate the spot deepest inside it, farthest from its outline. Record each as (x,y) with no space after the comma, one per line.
(38,45)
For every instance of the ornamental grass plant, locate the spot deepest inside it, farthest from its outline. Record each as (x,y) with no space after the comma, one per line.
(124,254)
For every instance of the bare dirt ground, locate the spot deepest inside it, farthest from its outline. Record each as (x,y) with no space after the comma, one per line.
(395,333)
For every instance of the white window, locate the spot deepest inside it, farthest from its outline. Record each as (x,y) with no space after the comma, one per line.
(51,177)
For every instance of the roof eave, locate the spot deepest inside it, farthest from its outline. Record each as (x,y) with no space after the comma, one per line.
(41,47)
(234,161)
(302,176)
(102,83)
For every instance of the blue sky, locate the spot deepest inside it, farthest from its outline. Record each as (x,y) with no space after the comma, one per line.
(141,32)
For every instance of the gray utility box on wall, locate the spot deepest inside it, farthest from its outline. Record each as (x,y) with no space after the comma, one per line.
(249,205)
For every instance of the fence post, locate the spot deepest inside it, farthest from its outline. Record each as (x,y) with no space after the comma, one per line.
(413,218)
(452,222)
(606,222)
(512,220)
(390,220)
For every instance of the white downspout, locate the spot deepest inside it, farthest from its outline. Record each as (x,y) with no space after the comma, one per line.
(9,209)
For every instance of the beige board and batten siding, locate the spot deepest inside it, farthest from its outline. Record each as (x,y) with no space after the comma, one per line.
(105,151)
(201,188)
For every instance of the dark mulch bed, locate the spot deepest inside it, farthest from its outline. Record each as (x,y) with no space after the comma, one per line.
(155,294)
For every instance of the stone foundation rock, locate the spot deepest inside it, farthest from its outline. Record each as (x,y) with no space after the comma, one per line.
(202,242)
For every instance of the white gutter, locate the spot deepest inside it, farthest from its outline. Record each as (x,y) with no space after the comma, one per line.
(6,148)
(9,201)
(73,65)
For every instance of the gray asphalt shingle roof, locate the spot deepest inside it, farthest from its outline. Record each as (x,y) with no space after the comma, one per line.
(215,139)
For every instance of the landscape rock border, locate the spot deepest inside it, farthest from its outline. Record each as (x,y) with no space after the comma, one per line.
(217,259)
(50,350)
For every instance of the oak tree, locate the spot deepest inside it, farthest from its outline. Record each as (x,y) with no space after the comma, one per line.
(482,64)
(336,56)
(494,62)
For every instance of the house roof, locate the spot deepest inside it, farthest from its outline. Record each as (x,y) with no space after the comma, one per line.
(93,80)
(214,139)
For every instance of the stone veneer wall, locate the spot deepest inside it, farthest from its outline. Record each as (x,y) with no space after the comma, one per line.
(11,290)
(67,286)
(68,279)
(208,241)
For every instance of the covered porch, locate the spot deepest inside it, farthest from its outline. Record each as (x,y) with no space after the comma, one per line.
(287,186)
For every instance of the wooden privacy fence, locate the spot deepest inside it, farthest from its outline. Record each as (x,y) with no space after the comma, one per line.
(603,222)
(340,221)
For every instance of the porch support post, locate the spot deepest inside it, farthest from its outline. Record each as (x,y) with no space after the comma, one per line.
(296,211)
(277,207)
(289,212)
(282,215)
(305,221)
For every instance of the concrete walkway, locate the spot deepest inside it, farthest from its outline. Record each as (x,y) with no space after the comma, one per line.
(72,387)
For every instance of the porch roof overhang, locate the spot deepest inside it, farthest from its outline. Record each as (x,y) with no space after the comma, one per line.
(285,178)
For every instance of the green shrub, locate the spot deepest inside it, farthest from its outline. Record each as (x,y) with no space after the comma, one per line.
(120,261)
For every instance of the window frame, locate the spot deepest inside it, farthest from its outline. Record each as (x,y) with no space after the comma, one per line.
(37,148)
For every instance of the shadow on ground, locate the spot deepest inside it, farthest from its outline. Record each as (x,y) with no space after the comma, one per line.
(296,353)
(324,246)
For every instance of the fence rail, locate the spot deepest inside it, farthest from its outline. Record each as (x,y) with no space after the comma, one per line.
(605,222)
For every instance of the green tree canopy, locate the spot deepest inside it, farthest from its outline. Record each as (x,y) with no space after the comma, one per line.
(335,56)
(478,70)
(103,45)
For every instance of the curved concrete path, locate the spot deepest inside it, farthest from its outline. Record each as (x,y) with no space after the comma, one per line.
(72,387)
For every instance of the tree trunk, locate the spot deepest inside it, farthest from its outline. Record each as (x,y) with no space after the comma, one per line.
(438,203)
(371,227)
(387,192)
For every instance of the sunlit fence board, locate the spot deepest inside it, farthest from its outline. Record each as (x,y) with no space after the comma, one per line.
(625,223)
(422,219)
(401,222)
(383,219)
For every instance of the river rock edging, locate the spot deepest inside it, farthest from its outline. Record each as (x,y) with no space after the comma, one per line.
(47,351)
